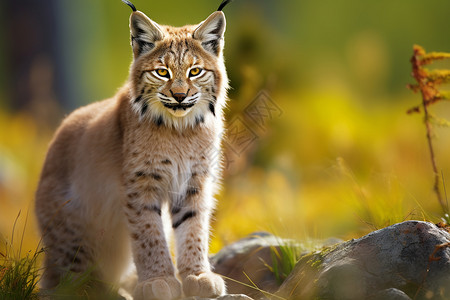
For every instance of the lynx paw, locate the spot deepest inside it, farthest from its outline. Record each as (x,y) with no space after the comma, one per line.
(160,288)
(207,285)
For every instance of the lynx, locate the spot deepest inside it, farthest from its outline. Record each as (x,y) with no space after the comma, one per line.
(116,168)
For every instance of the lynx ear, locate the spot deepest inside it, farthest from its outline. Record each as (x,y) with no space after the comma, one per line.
(210,32)
(144,33)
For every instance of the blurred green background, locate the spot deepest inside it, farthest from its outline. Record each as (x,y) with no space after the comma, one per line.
(335,153)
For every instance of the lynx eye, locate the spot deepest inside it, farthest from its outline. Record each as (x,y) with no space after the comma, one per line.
(162,73)
(195,72)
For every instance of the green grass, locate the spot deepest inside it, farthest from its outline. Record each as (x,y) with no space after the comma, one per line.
(284,258)
(19,276)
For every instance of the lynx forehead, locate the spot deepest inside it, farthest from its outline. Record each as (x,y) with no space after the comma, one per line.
(116,168)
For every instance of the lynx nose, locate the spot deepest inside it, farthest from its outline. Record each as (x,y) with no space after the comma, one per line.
(179,96)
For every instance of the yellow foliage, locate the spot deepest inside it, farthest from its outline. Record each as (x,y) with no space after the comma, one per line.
(329,166)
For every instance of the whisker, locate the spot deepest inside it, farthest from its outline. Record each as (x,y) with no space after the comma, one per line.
(206,100)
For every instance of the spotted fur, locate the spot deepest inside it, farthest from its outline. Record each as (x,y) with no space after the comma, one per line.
(115,168)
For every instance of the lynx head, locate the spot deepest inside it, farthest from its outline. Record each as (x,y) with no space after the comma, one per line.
(178,75)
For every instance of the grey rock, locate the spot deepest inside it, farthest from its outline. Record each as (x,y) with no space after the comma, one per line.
(225,297)
(343,280)
(391,294)
(406,260)
(248,257)
(245,263)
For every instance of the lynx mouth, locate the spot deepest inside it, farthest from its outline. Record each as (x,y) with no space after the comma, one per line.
(179,109)
(178,106)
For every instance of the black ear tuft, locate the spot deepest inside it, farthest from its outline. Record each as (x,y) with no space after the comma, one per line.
(130,4)
(223,4)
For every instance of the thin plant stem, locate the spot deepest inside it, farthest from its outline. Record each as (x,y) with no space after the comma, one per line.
(430,95)
(437,177)
(445,192)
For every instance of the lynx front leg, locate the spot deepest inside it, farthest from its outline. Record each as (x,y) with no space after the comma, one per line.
(156,276)
(190,221)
